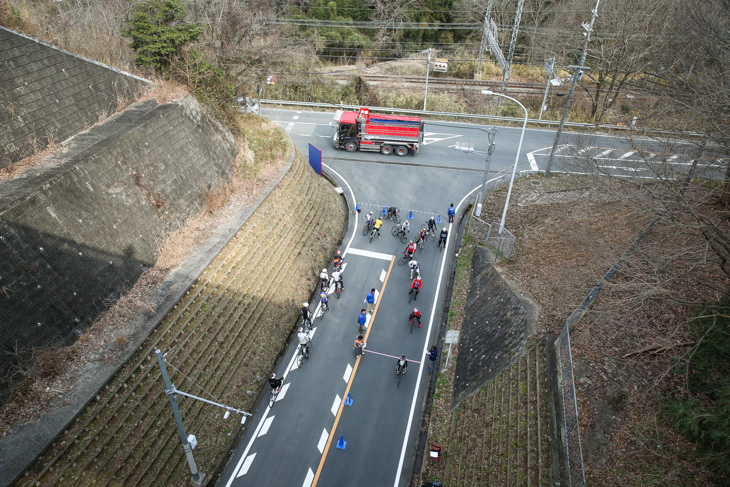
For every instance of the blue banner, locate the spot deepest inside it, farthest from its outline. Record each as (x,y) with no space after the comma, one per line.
(315,159)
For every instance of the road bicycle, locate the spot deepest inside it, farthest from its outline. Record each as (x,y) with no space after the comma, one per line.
(391,216)
(274,395)
(373,232)
(303,352)
(338,288)
(414,320)
(398,232)
(404,259)
(412,294)
(442,244)
(431,233)
(419,243)
(307,323)
(324,307)
(368,226)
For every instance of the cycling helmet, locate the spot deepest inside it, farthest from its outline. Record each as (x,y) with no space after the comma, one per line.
(419,277)
(306,305)
(273,376)
(338,252)
(444,229)
(301,329)
(411,241)
(324,270)
(415,310)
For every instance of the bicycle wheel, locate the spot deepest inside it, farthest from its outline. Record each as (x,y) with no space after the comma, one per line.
(396,218)
(273,399)
(397,375)
(403,238)
(411,325)
(372,233)
(403,260)
(424,226)
(366,229)
(410,295)
(300,356)
(432,236)
(394,231)
(324,309)
(307,326)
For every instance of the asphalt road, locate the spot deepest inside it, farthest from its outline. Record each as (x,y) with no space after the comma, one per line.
(296,442)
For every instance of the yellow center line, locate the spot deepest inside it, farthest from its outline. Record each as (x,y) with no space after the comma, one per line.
(352,377)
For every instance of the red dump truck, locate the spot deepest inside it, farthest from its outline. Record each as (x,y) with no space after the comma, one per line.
(386,134)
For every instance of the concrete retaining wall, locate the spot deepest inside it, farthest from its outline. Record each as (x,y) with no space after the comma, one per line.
(78,231)
(52,94)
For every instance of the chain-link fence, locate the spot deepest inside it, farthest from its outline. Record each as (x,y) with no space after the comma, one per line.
(571,429)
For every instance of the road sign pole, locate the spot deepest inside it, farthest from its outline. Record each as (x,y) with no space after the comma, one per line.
(428,67)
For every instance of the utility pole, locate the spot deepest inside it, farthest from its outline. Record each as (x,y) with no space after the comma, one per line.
(198,477)
(491,133)
(547,87)
(428,68)
(588,28)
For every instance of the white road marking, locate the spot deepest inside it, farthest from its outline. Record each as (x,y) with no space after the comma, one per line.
(267,425)
(626,155)
(671,158)
(348,372)
(295,117)
(246,465)
(382,275)
(309,478)
(322,441)
(282,393)
(607,151)
(289,126)
(305,135)
(336,405)
(531,159)
(372,255)
(431,137)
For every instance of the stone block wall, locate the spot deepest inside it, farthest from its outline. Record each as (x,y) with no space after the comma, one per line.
(47,94)
(77,231)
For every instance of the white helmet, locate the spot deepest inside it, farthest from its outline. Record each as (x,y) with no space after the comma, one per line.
(444,229)
(301,329)
(324,270)
(273,376)
(306,305)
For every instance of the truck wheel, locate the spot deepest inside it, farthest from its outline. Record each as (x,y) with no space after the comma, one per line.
(351,146)
(386,149)
(401,150)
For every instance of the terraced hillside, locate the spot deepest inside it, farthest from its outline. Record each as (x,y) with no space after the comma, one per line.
(222,340)
(498,436)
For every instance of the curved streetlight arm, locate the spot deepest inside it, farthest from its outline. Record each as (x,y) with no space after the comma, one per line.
(517,156)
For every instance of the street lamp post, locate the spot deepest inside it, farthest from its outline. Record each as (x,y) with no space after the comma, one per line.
(517,156)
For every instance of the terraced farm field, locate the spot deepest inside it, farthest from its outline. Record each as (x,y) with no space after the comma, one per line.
(222,340)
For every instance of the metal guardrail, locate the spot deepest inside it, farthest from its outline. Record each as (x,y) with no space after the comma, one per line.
(532,121)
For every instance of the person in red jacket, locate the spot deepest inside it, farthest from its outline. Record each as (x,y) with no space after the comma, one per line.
(415,315)
(410,249)
(415,287)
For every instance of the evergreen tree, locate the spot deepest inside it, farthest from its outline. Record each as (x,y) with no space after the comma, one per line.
(158,31)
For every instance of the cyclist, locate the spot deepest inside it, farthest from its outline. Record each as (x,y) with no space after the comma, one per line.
(443,236)
(392,211)
(324,279)
(337,279)
(410,249)
(413,266)
(452,213)
(303,341)
(358,346)
(376,226)
(369,218)
(401,365)
(323,299)
(337,261)
(432,225)
(306,314)
(405,227)
(275,383)
(415,287)
(415,315)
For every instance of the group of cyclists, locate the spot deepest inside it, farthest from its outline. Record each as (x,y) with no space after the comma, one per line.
(326,281)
